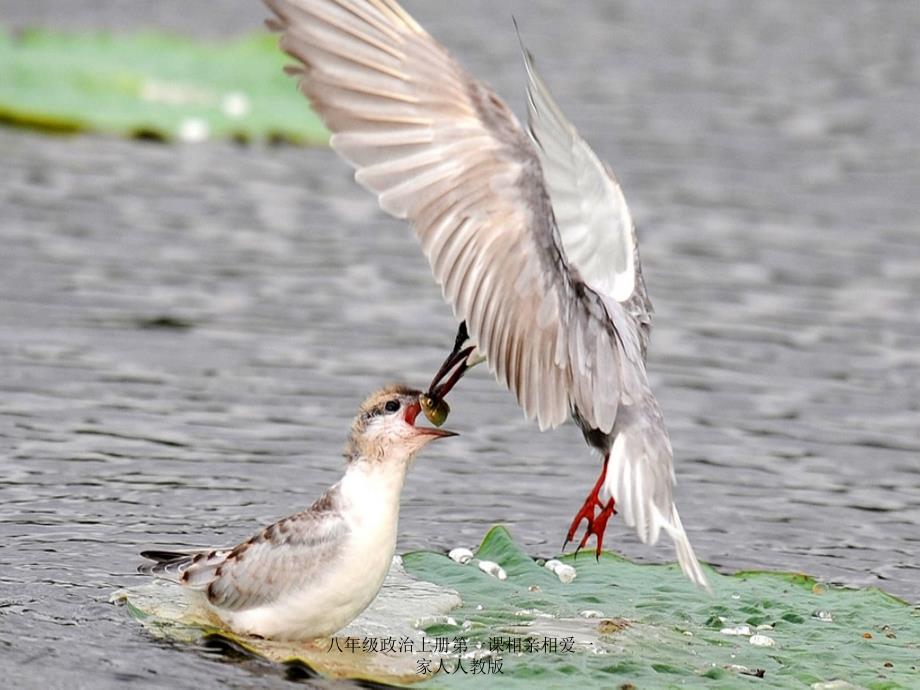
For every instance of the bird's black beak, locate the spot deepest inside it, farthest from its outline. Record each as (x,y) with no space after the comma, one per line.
(453,368)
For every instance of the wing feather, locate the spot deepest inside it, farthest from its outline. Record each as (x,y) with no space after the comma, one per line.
(594,221)
(279,558)
(442,150)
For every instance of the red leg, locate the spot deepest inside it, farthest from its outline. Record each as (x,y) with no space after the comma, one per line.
(600,525)
(596,524)
(587,508)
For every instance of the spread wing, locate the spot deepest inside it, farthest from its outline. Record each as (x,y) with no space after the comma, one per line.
(594,221)
(442,150)
(280,558)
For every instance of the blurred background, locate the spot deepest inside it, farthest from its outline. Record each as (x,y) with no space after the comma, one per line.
(193,302)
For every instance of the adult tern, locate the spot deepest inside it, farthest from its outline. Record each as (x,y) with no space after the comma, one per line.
(526,230)
(312,573)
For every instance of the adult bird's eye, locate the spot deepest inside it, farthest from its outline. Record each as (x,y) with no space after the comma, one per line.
(392,406)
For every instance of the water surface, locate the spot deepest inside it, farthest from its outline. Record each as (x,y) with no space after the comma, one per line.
(186,331)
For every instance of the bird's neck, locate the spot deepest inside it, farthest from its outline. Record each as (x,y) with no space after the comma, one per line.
(371,489)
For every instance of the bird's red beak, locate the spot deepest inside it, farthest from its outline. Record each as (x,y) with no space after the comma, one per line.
(412,413)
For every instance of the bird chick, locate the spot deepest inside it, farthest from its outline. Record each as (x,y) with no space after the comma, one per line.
(310,574)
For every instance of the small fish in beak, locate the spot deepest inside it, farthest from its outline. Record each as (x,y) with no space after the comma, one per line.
(435,410)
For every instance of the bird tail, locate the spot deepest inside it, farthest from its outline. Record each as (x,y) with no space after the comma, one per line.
(640,478)
(166,564)
(193,569)
(685,555)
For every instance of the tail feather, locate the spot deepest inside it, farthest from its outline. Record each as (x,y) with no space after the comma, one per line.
(685,555)
(167,565)
(162,556)
(640,478)
(175,565)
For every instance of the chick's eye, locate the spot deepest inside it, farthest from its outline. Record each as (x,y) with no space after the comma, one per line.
(391,406)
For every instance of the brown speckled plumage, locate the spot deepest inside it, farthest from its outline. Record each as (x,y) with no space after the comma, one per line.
(303,542)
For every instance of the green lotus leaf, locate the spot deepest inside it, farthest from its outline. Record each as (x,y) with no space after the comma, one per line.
(152,85)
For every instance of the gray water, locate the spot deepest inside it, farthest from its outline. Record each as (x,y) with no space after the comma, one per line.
(186,331)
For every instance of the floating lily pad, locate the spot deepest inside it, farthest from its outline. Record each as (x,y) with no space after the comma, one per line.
(152,85)
(616,623)
(647,625)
